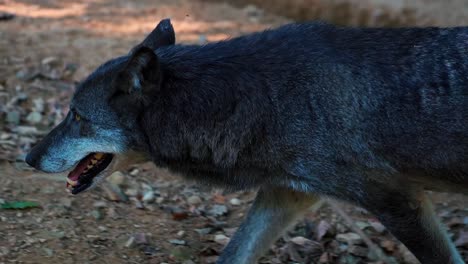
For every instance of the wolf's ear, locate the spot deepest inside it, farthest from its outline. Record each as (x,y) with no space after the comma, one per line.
(142,73)
(162,35)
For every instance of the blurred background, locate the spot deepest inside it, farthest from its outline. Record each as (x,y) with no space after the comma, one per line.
(145,214)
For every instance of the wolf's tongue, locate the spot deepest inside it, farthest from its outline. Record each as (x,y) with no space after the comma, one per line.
(76,172)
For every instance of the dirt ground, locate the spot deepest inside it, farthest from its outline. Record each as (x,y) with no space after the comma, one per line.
(142,214)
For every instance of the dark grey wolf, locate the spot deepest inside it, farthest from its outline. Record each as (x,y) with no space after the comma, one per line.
(367,115)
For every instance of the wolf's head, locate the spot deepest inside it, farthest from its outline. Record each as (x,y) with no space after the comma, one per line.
(104,115)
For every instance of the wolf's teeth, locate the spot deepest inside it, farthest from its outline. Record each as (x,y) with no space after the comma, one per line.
(93,161)
(72,182)
(98,155)
(89,166)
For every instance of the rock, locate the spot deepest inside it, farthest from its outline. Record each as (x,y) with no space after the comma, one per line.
(49,61)
(358,250)
(138,204)
(114,192)
(148,196)
(324,258)
(4,251)
(134,172)
(388,245)
(67,202)
(235,201)
(149,250)
(179,214)
(301,241)
(116,178)
(140,238)
(34,118)
(322,229)
(132,192)
(27,74)
(349,238)
(27,130)
(97,214)
(218,210)
(49,252)
(221,239)
(362,225)
(377,226)
(194,200)
(204,231)
(13,117)
(159,200)
(177,242)
(230,231)
(38,105)
(130,242)
(181,233)
(100,204)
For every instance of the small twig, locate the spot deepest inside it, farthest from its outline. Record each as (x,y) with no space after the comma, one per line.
(350,222)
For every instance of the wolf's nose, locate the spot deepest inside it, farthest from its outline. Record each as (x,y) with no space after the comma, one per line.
(31,160)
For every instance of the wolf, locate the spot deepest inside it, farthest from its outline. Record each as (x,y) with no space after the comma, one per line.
(371,116)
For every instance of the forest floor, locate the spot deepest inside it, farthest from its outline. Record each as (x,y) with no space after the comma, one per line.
(143,214)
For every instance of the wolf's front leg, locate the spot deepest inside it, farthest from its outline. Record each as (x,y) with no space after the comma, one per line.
(273,211)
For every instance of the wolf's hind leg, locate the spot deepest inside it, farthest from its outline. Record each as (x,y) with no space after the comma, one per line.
(410,217)
(273,210)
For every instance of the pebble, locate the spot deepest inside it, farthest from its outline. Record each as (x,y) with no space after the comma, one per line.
(26,130)
(194,200)
(299,240)
(117,178)
(235,201)
(130,242)
(49,252)
(349,238)
(148,196)
(218,210)
(140,238)
(96,214)
(34,118)
(221,239)
(39,105)
(100,204)
(181,233)
(358,250)
(134,172)
(388,245)
(138,204)
(13,117)
(66,202)
(377,226)
(49,60)
(177,242)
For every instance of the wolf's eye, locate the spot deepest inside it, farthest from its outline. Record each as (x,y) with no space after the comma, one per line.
(77,117)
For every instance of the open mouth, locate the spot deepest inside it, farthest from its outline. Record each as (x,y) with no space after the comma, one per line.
(81,177)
